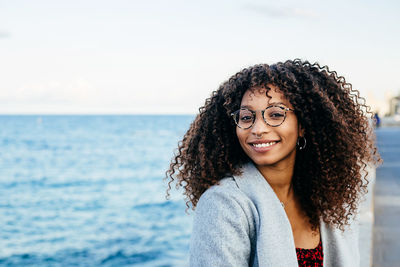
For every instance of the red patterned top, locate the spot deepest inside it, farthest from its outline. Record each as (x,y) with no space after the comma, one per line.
(310,257)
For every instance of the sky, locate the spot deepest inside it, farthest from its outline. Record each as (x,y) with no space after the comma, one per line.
(166,57)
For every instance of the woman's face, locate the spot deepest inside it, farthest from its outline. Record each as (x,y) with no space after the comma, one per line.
(266,145)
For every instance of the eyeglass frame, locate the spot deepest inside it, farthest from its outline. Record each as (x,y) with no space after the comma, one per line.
(254,112)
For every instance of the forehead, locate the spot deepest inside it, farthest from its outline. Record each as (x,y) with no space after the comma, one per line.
(260,96)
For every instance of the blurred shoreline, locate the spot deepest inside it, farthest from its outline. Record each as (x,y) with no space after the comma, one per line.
(392,121)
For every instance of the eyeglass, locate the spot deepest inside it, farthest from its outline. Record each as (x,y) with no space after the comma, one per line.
(272,115)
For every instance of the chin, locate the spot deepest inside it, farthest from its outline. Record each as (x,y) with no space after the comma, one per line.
(264,162)
(274,160)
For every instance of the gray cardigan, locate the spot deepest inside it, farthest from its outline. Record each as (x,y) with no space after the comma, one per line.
(240,222)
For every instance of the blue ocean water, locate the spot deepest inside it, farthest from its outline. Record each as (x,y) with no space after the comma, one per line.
(89,191)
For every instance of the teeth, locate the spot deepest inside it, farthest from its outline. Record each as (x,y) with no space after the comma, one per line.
(264,144)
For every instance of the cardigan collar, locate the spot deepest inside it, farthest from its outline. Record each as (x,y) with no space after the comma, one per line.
(275,241)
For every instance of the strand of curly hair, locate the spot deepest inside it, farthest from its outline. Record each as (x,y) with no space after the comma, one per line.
(330,174)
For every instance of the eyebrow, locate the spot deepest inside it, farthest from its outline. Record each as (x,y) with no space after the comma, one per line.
(270,104)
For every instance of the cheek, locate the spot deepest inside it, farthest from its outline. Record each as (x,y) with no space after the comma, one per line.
(290,134)
(240,136)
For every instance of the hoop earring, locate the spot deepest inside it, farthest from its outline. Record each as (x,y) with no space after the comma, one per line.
(304,145)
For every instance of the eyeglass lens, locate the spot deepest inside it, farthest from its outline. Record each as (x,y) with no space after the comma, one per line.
(274,116)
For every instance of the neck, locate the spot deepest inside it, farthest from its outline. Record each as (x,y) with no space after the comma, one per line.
(280,179)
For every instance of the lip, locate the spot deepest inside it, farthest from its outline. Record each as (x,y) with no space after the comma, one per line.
(258,141)
(263,149)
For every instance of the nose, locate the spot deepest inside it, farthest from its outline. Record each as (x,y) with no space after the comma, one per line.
(259,127)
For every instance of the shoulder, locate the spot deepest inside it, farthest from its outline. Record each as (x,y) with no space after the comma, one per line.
(225,186)
(225,203)
(223,231)
(224,194)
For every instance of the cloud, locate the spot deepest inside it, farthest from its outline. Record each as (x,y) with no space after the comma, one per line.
(281,12)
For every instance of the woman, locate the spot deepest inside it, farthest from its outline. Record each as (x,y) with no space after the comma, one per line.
(275,166)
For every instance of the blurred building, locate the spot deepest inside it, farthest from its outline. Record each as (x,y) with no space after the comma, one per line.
(379,103)
(392,117)
(394,106)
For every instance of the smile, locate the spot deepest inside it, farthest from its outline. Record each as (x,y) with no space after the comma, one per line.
(264,144)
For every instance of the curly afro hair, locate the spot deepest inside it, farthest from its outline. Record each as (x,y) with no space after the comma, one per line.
(336,120)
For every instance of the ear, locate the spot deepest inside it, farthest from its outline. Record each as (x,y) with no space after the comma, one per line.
(301,131)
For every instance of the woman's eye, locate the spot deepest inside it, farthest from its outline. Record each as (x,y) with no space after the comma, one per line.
(246,118)
(276,115)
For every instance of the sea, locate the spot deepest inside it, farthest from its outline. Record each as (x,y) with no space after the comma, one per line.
(89,190)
